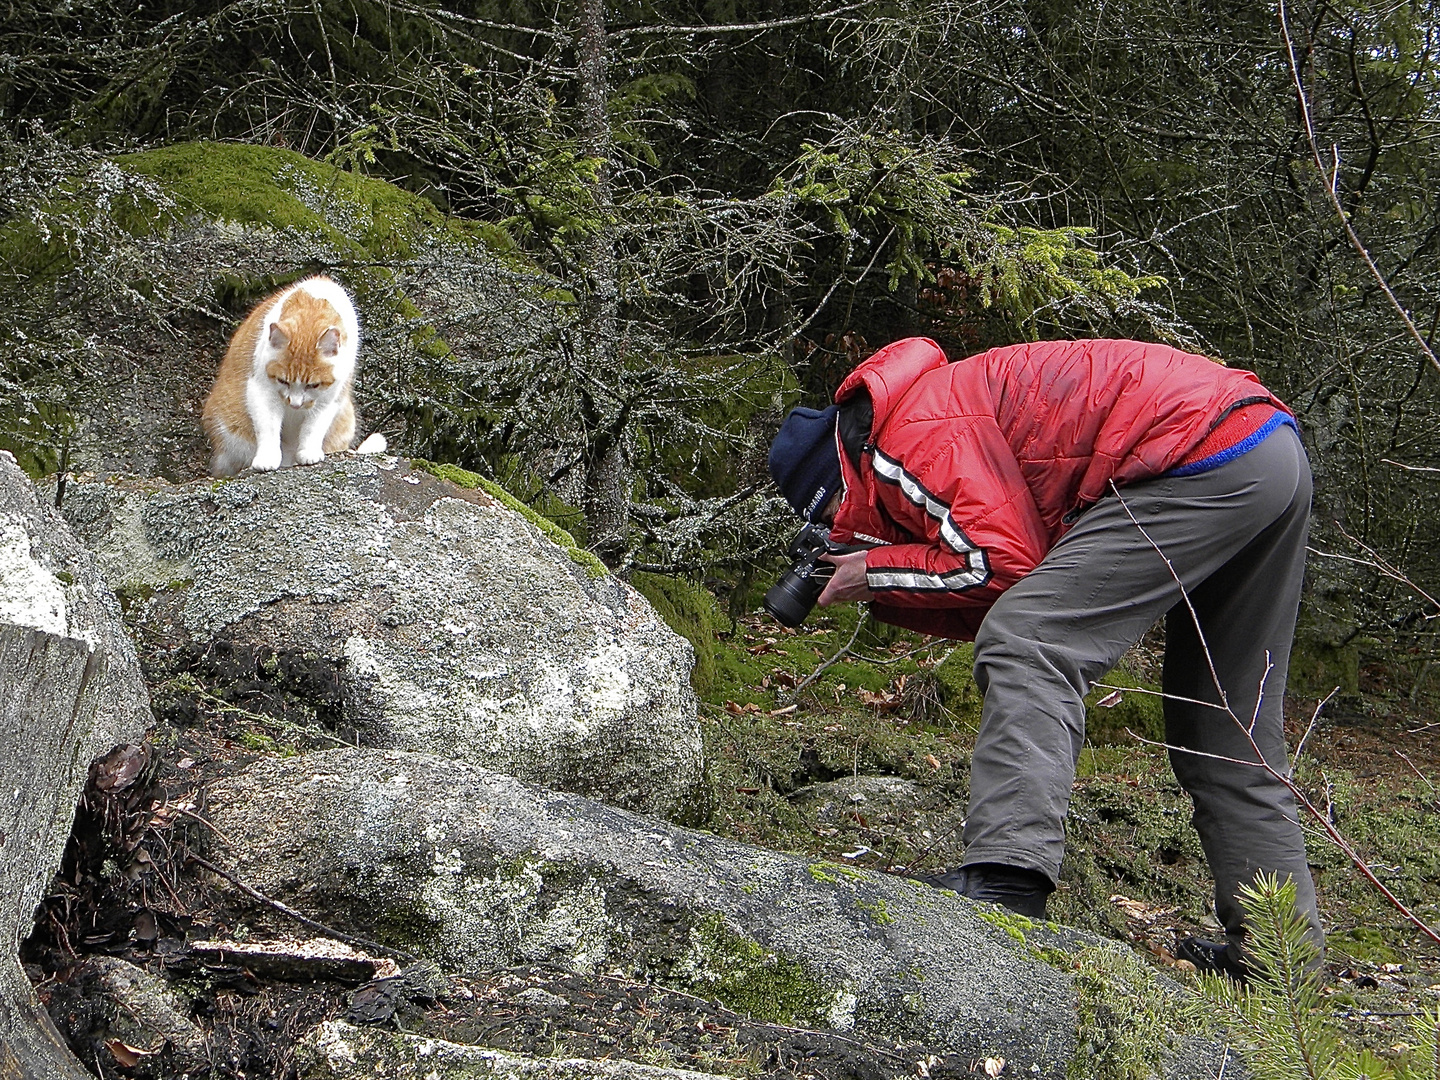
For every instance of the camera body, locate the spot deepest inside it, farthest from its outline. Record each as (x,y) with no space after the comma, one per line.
(793,597)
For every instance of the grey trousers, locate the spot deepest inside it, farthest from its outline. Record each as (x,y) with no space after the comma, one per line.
(1236,536)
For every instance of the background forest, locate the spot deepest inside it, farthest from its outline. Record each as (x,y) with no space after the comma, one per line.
(613,243)
(726,207)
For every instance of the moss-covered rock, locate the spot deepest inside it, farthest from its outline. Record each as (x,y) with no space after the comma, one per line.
(691,612)
(268,187)
(374,598)
(473,481)
(127,278)
(487,872)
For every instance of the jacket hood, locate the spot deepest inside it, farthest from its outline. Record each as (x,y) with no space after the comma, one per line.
(890,372)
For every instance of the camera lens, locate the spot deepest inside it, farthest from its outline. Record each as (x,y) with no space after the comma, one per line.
(793,597)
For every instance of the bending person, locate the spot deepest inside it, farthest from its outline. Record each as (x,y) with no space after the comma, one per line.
(1048,501)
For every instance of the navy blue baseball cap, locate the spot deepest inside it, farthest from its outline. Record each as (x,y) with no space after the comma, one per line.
(805,461)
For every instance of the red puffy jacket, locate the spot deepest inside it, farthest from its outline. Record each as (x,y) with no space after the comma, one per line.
(974,470)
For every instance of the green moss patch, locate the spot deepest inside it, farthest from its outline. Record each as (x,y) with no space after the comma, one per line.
(1126,1024)
(744,976)
(1123,712)
(273,188)
(691,612)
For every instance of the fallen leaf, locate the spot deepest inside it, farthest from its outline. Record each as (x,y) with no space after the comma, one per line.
(933,762)
(880,701)
(1110,700)
(128,1056)
(994,1066)
(118,769)
(1136,909)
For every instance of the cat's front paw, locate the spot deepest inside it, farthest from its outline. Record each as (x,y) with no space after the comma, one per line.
(266,461)
(309,456)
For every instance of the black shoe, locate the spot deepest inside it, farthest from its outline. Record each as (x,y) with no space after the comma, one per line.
(1022,891)
(1212,957)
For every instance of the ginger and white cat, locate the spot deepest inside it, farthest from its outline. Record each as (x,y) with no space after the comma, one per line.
(282,395)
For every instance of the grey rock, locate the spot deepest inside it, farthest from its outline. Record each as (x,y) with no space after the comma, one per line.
(143,1012)
(49,582)
(449,622)
(889,799)
(481,872)
(339,1051)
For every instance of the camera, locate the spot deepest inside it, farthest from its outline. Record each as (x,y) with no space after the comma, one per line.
(793,597)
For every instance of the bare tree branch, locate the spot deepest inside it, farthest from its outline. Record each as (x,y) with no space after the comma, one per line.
(1331,191)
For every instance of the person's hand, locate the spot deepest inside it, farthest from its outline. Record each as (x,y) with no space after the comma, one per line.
(848,581)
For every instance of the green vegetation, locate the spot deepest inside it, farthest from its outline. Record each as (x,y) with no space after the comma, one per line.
(691,612)
(1140,713)
(272,188)
(1014,925)
(745,977)
(1282,1018)
(877,910)
(1125,1022)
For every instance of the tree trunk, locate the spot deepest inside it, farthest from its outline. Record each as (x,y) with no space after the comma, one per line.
(49,691)
(607,474)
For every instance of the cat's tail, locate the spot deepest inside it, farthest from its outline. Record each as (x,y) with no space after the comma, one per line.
(374,444)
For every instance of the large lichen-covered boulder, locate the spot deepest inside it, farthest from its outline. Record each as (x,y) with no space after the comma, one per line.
(481,871)
(450,622)
(69,689)
(50,582)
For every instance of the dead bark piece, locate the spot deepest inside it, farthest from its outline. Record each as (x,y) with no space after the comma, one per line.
(339,1051)
(49,691)
(311,960)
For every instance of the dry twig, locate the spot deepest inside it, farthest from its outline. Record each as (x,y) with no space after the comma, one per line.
(286,909)
(828,664)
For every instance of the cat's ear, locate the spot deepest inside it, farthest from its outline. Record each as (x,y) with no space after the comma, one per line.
(329,343)
(278,337)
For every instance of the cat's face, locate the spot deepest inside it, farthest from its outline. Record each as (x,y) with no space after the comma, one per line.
(302,371)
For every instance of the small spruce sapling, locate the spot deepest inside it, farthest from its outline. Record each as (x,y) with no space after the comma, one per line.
(1280,1015)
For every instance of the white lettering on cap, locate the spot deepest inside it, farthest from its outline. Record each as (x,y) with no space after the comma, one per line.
(814,502)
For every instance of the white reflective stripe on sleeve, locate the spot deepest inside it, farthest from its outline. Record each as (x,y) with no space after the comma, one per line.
(976,570)
(918,581)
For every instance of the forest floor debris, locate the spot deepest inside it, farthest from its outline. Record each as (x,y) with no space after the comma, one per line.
(134,890)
